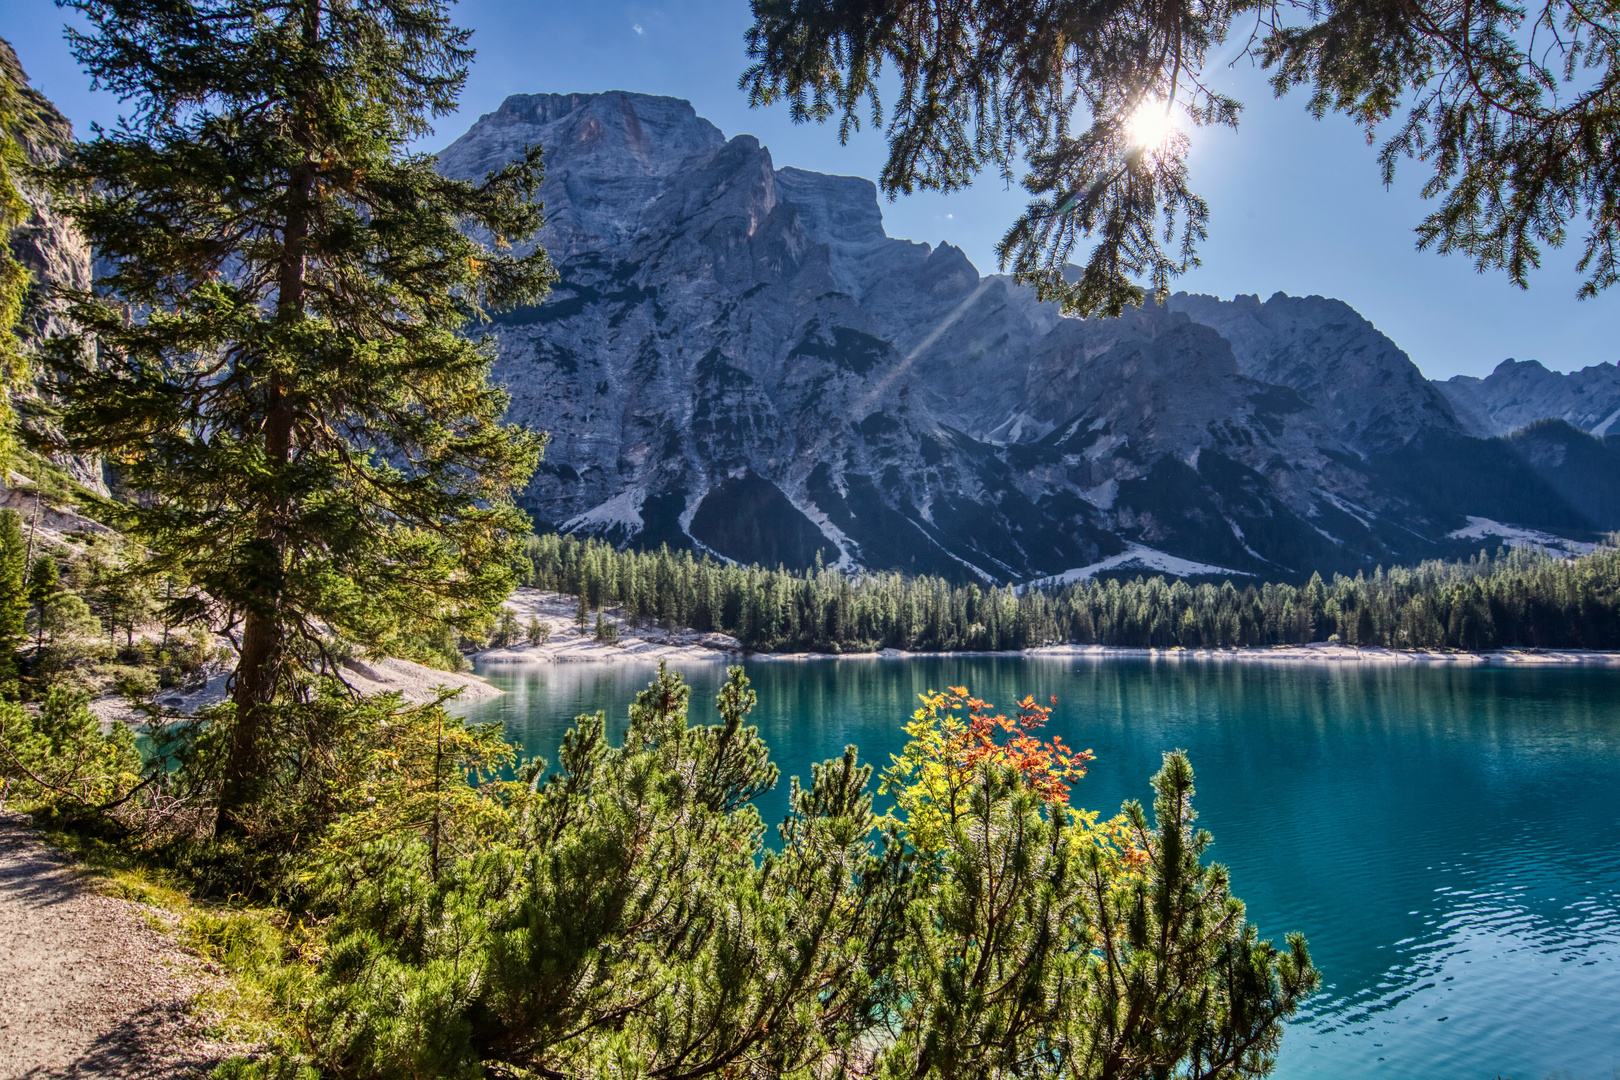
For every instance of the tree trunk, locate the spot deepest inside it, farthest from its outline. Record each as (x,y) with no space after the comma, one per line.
(254,689)
(258,668)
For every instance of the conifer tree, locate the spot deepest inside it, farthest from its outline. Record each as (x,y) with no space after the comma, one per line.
(626,920)
(13,599)
(125,593)
(621,915)
(44,584)
(13,275)
(278,367)
(1517,597)
(1513,109)
(506,629)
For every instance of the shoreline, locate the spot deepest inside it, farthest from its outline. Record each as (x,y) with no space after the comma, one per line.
(414,683)
(1324,653)
(569,643)
(1315,653)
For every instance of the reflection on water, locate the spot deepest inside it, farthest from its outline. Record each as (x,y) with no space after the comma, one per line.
(1449,839)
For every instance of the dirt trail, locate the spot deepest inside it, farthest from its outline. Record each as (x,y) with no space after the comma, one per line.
(87,987)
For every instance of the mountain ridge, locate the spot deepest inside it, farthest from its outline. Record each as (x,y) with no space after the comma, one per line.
(738,359)
(1519,393)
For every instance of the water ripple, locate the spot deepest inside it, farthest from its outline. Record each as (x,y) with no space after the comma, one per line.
(1449,839)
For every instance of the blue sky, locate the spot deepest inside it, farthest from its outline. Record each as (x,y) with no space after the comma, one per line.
(1296,204)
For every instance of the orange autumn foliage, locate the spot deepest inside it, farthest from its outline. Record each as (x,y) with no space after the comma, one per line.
(953,736)
(1046,766)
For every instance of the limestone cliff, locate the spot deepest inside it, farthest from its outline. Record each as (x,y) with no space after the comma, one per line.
(48,246)
(737,358)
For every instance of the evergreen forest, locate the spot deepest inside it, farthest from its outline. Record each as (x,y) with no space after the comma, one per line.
(291,460)
(1514,598)
(262,446)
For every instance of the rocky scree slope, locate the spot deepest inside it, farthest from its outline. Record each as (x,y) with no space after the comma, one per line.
(737,359)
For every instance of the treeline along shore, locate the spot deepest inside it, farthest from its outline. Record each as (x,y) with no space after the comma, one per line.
(1513,598)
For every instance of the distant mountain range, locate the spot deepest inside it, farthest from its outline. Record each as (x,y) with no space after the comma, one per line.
(738,359)
(1519,393)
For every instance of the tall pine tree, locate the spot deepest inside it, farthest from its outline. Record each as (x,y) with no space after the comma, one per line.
(13,598)
(43,586)
(13,275)
(279,369)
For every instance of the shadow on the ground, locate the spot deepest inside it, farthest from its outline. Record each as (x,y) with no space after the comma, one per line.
(157,1042)
(33,874)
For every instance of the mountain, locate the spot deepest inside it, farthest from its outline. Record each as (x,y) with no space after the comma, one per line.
(1368,390)
(737,359)
(44,241)
(48,246)
(1518,393)
(1576,464)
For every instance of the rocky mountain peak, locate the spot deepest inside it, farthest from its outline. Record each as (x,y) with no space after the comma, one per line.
(737,358)
(1369,390)
(608,157)
(619,130)
(1520,392)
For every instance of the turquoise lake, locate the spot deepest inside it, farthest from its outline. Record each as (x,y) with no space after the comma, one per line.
(1447,838)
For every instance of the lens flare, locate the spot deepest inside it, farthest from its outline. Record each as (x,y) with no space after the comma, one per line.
(1152,125)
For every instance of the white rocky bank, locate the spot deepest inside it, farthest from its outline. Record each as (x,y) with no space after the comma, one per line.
(570,642)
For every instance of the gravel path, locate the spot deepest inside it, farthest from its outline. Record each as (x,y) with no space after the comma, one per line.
(87,987)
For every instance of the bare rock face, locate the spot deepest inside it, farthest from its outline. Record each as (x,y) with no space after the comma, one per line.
(738,359)
(46,243)
(1519,393)
(1368,390)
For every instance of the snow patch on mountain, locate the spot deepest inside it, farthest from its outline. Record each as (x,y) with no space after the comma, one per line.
(1479,528)
(1237,531)
(622,512)
(1137,557)
(690,512)
(846,561)
(1348,507)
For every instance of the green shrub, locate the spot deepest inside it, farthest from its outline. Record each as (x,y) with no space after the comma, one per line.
(463,913)
(538,632)
(371,765)
(62,759)
(622,917)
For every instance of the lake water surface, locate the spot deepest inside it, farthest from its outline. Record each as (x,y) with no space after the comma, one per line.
(1447,838)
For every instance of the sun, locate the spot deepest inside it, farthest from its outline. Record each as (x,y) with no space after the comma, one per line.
(1152,125)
